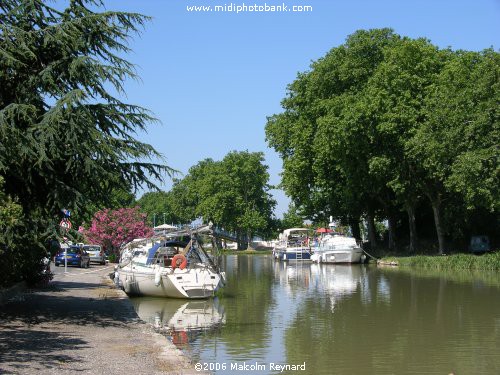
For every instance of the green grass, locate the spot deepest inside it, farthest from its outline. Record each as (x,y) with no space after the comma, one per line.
(489,261)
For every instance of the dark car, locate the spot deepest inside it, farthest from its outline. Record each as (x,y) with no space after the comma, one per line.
(75,256)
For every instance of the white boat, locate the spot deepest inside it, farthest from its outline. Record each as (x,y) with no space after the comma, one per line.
(170,265)
(337,248)
(293,244)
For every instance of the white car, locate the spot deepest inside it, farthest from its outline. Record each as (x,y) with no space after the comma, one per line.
(96,253)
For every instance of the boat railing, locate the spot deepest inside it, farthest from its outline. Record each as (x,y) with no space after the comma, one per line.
(335,247)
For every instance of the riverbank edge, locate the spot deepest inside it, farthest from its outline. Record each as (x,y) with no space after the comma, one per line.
(168,359)
(488,262)
(172,361)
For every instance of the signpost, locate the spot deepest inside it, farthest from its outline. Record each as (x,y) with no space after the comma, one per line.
(65,247)
(65,224)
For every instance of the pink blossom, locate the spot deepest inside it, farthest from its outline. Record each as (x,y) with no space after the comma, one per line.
(112,228)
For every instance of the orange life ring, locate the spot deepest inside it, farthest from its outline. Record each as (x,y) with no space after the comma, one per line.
(175,261)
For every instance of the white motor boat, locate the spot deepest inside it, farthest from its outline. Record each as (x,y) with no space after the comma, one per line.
(337,248)
(169,266)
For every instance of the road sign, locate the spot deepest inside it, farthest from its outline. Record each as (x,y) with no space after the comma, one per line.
(65,224)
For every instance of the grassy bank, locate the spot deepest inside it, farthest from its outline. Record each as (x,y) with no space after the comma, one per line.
(489,261)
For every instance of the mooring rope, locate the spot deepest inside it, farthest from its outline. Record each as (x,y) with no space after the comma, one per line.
(371,256)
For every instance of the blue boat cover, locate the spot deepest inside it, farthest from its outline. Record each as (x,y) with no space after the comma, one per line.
(151,253)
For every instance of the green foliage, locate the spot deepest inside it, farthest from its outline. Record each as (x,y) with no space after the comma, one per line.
(292,218)
(162,207)
(384,124)
(232,193)
(11,216)
(67,141)
(20,251)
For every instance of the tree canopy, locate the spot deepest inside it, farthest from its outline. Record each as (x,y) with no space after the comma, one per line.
(67,138)
(234,194)
(385,124)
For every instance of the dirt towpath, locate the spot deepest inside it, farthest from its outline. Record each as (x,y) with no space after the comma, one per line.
(81,324)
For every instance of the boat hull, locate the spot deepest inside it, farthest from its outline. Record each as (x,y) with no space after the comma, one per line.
(195,283)
(294,254)
(338,256)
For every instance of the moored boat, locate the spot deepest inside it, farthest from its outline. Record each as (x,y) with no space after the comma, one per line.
(173,265)
(293,244)
(337,248)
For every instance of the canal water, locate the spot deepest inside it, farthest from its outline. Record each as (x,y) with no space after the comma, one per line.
(337,319)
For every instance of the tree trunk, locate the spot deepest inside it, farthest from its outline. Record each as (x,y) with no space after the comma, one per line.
(410,209)
(436,209)
(392,232)
(242,241)
(356,232)
(249,240)
(372,233)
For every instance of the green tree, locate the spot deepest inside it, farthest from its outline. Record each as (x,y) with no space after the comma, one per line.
(399,88)
(326,134)
(11,216)
(385,124)
(292,218)
(233,193)
(162,206)
(67,140)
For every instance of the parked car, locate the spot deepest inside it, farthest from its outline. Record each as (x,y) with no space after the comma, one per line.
(75,256)
(96,253)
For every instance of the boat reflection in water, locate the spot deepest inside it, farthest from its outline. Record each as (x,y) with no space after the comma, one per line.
(182,320)
(337,281)
(334,281)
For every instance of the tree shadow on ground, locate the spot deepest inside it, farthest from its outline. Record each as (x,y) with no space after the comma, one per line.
(20,348)
(40,328)
(76,303)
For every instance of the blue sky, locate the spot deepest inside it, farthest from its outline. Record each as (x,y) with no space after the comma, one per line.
(211,78)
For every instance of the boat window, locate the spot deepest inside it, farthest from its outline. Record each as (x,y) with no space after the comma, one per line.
(168,251)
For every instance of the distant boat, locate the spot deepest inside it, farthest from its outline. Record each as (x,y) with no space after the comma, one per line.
(172,265)
(293,244)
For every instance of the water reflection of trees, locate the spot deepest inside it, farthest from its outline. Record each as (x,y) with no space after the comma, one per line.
(400,324)
(248,300)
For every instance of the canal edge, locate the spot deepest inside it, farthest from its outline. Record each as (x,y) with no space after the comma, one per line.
(171,360)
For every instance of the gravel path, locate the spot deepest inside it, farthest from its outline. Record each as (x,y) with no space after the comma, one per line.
(82,324)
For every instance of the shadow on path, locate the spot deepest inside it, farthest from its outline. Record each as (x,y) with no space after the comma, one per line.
(48,328)
(22,348)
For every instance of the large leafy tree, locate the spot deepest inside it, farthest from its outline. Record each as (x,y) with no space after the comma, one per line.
(164,206)
(326,134)
(233,193)
(398,90)
(384,124)
(67,138)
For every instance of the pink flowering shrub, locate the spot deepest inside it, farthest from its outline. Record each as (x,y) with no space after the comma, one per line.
(113,228)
